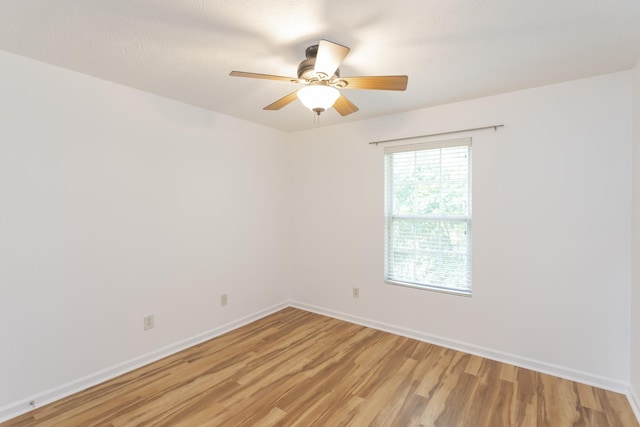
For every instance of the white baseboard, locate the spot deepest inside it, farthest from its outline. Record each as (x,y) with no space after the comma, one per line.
(523,362)
(634,401)
(23,406)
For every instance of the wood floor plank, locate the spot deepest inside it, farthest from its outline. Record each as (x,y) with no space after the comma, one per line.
(558,402)
(473,365)
(296,368)
(588,398)
(499,413)
(508,373)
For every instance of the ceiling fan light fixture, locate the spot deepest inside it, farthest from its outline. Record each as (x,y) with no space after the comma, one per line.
(318,98)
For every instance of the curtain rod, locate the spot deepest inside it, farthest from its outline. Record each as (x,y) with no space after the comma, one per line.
(494,127)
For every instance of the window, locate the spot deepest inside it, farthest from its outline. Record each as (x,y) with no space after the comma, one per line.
(428,215)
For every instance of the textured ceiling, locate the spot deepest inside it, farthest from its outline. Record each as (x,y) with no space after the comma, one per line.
(451,50)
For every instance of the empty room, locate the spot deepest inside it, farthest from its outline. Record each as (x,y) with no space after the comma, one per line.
(296,213)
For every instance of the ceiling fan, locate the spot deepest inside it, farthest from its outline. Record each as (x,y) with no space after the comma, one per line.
(320,75)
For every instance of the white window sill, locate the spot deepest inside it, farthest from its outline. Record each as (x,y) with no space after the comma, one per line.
(430,288)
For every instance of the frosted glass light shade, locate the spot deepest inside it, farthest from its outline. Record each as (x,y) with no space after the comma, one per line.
(318,98)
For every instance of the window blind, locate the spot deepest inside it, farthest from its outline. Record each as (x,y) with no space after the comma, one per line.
(428,215)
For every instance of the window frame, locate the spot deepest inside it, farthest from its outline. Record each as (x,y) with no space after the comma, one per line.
(439,219)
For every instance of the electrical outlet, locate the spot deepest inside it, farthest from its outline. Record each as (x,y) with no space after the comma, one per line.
(356,292)
(223,300)
(149,322)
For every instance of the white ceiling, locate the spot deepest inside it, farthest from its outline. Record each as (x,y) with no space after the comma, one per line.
(450,49)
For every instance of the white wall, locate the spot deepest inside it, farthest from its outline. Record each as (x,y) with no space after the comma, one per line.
(116,204)
(635,215)
(551,201)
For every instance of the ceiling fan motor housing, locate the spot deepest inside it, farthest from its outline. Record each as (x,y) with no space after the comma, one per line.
(306,67)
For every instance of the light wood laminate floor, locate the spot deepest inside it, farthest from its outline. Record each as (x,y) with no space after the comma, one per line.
(295,368)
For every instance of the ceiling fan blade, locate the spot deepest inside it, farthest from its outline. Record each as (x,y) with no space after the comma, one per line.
(282,102)
(329,57)
(376,82)
(263,76)
(344,106)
